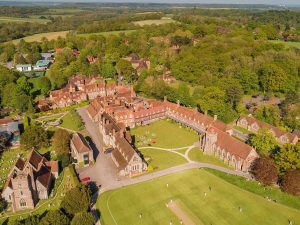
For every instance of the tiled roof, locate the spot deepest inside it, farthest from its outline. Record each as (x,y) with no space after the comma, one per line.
(35,159)
(80,143)
(44,176)
(5,120)
(20,164)
(119,158)
(278,132)
(230,144)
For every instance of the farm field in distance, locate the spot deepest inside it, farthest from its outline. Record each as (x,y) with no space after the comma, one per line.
(164,134)
(187,190)
(107,33)
(6,19)
(163,20)
(287,44)
(38,37)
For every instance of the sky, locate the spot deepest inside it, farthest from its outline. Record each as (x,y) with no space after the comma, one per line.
(270,2)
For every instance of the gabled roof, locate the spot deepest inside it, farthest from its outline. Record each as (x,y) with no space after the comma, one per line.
(230,144)
(35,159)
(44,176)
(20,164)
(80,143)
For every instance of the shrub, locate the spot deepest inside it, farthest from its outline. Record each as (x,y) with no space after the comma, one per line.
(83,218)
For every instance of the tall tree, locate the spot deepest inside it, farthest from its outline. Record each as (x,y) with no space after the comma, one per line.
(124,67)
(34,137)
(61,141)
(85,218)
(288,157)
(291,182)
(264,142)
(76,200)
(55,217)
(265,171)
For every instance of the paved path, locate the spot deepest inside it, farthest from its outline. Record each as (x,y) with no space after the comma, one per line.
(193,165)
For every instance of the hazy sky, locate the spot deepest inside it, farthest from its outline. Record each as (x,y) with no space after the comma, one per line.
(272,2)
(181,1)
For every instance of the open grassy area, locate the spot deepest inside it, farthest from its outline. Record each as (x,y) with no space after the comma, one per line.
(197,155)
(287,44)
(159,159)
(38,37)
(164,134)
(64,183)
(6,19)
(7,160)
(72,121)
(107,33)
(253,186)
(220,206)
(163,20)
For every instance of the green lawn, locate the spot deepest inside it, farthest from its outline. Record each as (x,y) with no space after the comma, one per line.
(107,33)
(164,134)
(197,155)
(7,160)
(243,130)
(253,186)
(72,121)
(160,160)
(164,20)
(220,206)
(287,44)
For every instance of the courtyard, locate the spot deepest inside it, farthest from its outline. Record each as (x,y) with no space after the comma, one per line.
(164,134)
(190,192)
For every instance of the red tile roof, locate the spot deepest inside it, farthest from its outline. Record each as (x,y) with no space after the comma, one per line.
(80,143)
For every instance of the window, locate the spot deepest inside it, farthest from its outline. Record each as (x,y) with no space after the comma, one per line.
(22,203)
(21,192)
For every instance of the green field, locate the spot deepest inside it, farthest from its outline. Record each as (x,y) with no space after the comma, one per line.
(160,159)
(72,121)
(38,37)
(164,134)
(198,156)
(221,205)
(287,44)
(163,20)
(6,19)
(107,33)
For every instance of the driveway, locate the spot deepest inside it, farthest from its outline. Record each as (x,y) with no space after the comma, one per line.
(104,171)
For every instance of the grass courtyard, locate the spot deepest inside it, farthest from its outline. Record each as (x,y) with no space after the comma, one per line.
(159,159)
(187,190)
(198,156)
(164,134)
(72,121)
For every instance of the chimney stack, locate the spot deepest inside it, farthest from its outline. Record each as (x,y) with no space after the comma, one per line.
(215,117)
(165,98)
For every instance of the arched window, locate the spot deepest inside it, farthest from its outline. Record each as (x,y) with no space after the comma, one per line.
(22,203)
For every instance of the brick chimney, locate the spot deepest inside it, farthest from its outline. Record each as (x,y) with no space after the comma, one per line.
(215,117)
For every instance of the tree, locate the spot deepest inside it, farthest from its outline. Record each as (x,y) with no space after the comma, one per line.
(3,140)
(34,137)
(61,141)
(248,79)
(85,218)
(31,220)
(263,141)
(64,159)
(55,217)
(76,200)
(288,157)
(269,114)
(3,204)
(41,83)
(24,85)
(108,70)
(124,67)
(273,78)
(265,171)
(291,182)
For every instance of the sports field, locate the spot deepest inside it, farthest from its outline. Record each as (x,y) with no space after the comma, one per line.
(164,134)
(224,204)
(38,37)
